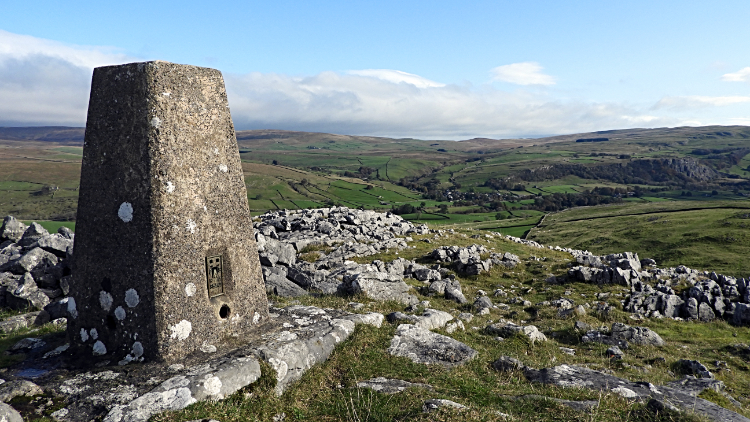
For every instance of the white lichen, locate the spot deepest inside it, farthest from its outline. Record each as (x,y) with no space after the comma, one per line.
(131,298)
(120,313)
(94,334)
(84,335)
(256,318)
(105,300)
(212,385)
(223,168)
(72,308)
(125,212)
(190,289)
(137,349)
(170,187)
(99,348)
(156,122)
(191,226)
(207,348)
(181,330)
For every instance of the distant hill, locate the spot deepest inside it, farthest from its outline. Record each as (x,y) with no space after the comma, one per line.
(266,138)
(60,134)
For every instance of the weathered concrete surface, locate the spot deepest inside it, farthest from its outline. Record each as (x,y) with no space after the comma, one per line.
(161,190)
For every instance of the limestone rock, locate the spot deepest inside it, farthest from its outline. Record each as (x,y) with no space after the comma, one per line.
(636,335)
(432,319)
(580,377)
(11,229)
(508,329)
(9,414)
(435,404)
(35,259)
(26,295)
(390,386)
(280,286)
(373,318)
(423,346)
(380,286)
(695,368)
(507,364)
(13,389)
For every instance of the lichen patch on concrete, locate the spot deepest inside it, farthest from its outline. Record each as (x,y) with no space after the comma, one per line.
(99,348)
(125,212)
(105,299)
(120,313)
(131,298)
(181,330)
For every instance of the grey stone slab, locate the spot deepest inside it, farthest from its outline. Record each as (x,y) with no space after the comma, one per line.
(9,414)
(424,346)
(580,377)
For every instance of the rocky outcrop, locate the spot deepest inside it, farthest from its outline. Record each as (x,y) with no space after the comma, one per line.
(680,396)
(469,260)
(33,264)
(710,295)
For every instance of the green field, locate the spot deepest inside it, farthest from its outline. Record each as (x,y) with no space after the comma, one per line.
(716,238)
(53,226)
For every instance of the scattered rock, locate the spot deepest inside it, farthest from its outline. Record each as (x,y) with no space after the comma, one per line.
(9,414)
(508,329)
(580,377)
(637,335)
(12,389)
(614,352)
(435,404)
(693,367)
(390,386)
(508,364)
(423,346)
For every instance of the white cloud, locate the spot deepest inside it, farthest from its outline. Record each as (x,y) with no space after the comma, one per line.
(397,76)
(742,75)
(355,104)
(525,73)
(698,101)
(47,82)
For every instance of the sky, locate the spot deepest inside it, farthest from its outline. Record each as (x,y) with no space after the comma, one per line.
(422,69)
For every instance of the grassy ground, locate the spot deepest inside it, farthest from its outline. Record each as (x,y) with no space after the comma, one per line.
(673,233)
(329,392)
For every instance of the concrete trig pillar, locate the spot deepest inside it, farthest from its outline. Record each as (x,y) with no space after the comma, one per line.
(165,257)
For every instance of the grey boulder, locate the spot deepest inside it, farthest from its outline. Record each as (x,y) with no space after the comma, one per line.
(424,346)
(9,414)
(11,229)
(637,335)
(380,286)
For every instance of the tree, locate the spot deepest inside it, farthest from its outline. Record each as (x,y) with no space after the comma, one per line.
(275,163)
(443,208)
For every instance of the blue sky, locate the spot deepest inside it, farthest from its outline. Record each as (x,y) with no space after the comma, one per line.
(425,69)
